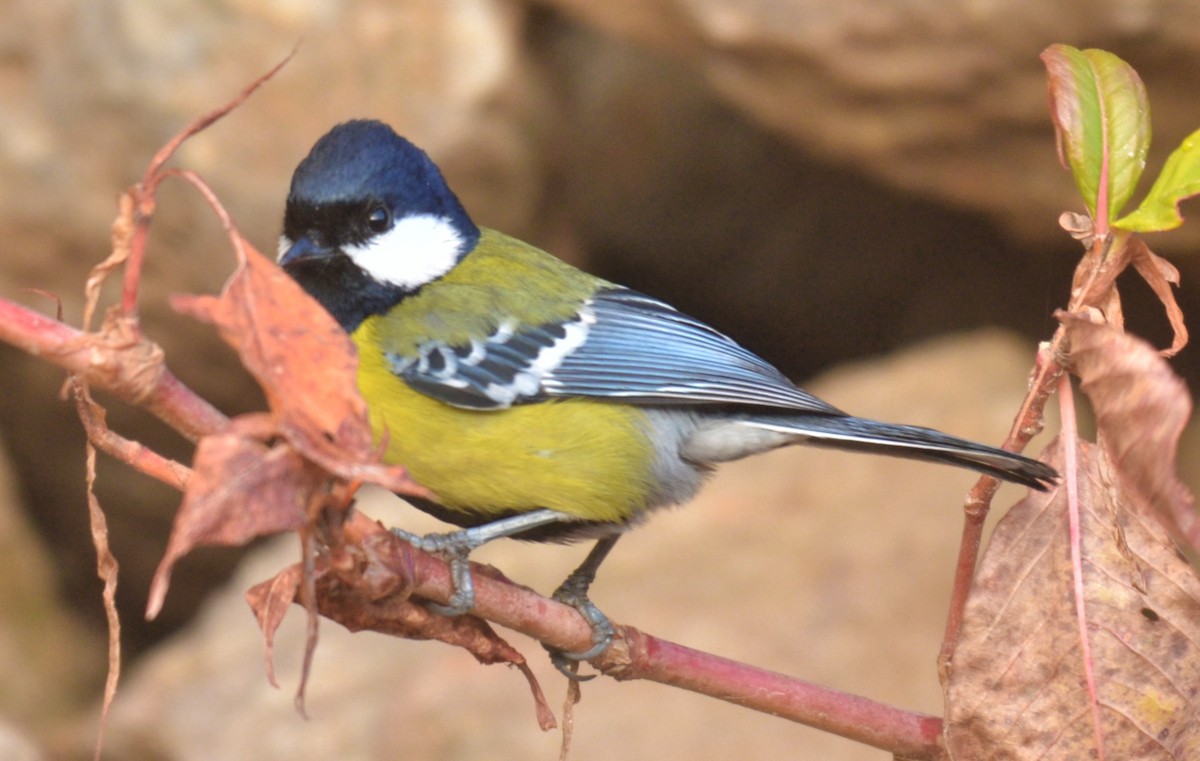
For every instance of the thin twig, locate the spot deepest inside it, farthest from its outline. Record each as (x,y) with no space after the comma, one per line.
(107,569)
(111,367)
(905,734)
(145,190)
(1066,405)
(133,453)
(1094,278)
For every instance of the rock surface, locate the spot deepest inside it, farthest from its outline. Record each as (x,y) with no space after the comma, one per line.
(941,98)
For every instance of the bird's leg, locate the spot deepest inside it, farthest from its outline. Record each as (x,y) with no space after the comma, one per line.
(456,547)
(574,592)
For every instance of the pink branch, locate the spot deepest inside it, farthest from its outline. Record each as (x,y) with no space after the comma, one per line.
(905,734)
(116,367)
(1066,405)
(637,655)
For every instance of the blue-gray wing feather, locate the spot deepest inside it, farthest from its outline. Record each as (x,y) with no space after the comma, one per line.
(624,346)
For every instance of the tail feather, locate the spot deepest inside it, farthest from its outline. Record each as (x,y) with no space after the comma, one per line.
(864,435)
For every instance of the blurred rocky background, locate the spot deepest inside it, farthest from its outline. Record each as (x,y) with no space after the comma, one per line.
(826,181)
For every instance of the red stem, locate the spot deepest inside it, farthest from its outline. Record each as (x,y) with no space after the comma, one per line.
(179,407)
(636,655)
(1066,405)
(103,366)
(142,213)
(905,734)
(35,333)
(1100,223)
(1094,278)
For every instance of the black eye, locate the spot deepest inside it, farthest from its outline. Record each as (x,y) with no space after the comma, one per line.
(379,219)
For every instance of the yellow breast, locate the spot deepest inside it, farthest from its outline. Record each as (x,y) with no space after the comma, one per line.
(584,458)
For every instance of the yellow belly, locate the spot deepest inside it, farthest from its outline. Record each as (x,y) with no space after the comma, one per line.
(588,459)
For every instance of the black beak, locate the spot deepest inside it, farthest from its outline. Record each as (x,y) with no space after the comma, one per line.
(305,249)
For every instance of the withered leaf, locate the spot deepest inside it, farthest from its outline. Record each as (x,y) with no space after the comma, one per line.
(1017,685)
(355,598)
(306,365)
(1141,408)
(1095,284)
(1095,279)
(1161,276)
(365,586)
(107,569)
(270,601)
(240,489)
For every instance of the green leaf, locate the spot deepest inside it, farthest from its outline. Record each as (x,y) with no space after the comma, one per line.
(1179,180)
(1102,120)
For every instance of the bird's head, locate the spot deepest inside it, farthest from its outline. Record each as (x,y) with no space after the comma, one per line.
(369,221)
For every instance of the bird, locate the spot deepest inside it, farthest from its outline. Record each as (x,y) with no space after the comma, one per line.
(535,400)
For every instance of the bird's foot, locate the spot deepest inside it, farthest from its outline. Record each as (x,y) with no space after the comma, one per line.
(455,547)
(573,592)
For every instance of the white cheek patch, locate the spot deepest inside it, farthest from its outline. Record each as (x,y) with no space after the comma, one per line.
(417,250)
(284,244)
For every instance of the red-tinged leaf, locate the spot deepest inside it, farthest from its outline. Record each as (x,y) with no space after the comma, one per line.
(1017,687)
(1102,121)
(1178,181)
(1141,409)
(306,365)
(240,489)
(270,601)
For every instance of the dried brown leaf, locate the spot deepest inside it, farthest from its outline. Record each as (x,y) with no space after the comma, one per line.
(240,489)
(370,591)
(1017,686)
(365,585)
(408,619)
(306,365)
(1094,283)
(572,698)
(1078,226)
(1161,275)
(122,241)
(107,569)
(270,601)
(1141,407)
